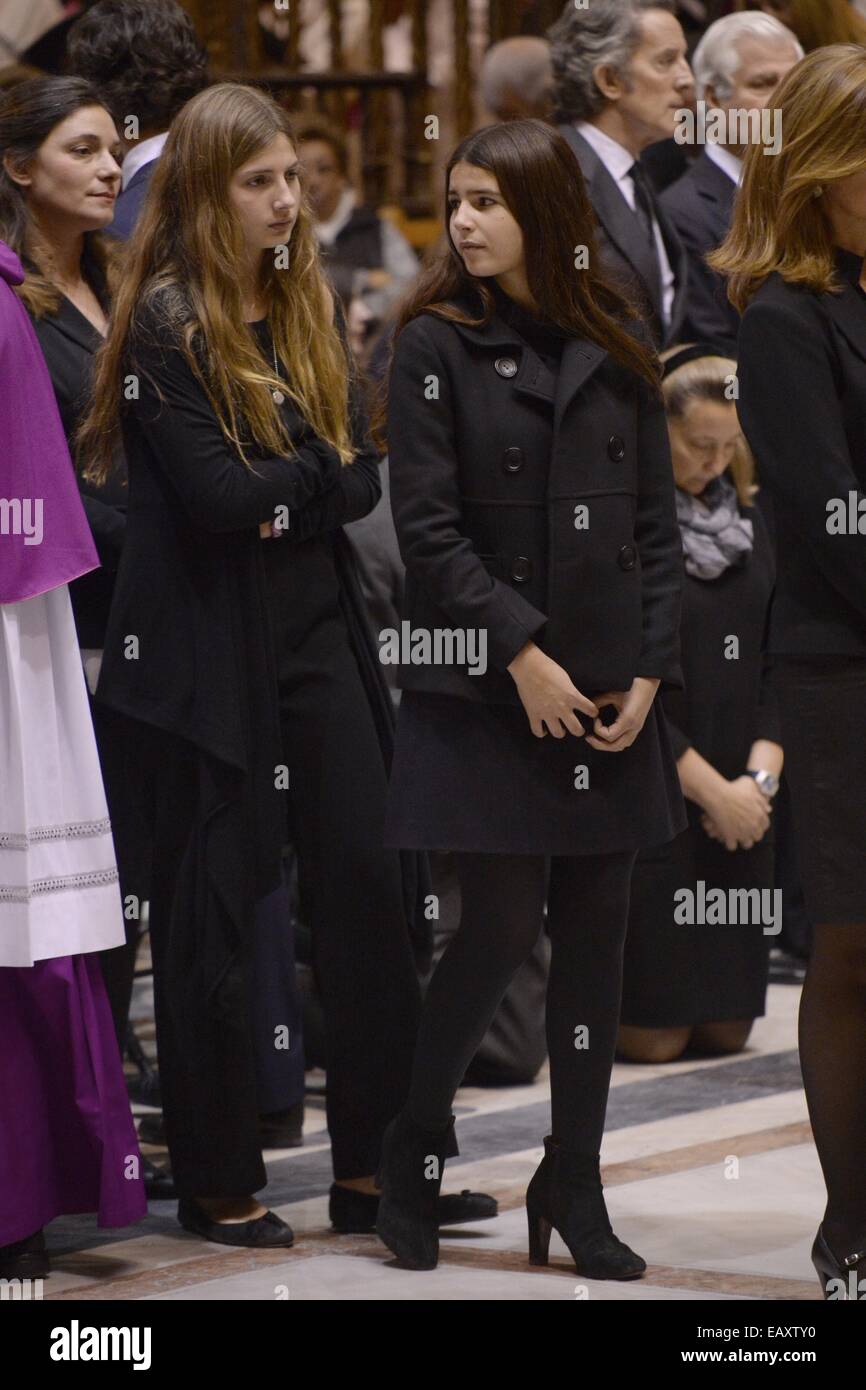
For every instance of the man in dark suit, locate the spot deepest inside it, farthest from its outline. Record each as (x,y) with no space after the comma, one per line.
(738,65)
(620,76)
(145,59)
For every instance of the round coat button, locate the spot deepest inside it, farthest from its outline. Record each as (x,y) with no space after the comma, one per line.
(521,569)
(512,460)
(505,366)
(627,557)
(616,448)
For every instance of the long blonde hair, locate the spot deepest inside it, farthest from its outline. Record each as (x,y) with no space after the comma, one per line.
(183,267)
(780,223)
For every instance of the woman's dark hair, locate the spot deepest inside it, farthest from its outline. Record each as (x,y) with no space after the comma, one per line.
(542,184)
(143,55)
(28,114)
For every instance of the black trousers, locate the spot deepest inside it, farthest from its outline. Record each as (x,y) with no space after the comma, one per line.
(350,889)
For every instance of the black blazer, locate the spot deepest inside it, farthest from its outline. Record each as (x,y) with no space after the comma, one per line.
(802,381)
(69,342)
(701,206)
(487,530)
(130,201)
(627,255)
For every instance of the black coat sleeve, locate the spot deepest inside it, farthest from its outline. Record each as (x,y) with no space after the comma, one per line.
(425,499)
(659,545)
(217,489)
(789,408)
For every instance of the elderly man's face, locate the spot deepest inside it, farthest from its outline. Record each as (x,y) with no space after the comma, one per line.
(763,64)
(658,82)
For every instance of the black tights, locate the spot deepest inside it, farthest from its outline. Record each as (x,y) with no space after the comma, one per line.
(833,1059)
(502,913)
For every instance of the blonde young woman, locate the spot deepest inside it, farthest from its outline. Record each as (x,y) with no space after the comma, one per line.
(795,260)
(233,654)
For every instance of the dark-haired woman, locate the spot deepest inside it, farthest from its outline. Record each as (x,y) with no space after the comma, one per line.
(795,260)
(533,498)
(58,184)
(235,653)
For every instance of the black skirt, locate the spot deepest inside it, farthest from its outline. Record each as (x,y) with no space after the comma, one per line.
(822,703)
(473,777)
(677,974)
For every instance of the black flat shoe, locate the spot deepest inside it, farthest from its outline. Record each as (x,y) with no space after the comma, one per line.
(839,1279)
(158,1182)
(354,1213)
(25,1259)
(264,1233)
(565,1194)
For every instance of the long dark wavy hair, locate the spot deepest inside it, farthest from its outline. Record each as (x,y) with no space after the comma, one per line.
(544,189)
(28,114)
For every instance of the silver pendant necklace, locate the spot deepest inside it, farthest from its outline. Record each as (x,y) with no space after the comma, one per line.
(277,394)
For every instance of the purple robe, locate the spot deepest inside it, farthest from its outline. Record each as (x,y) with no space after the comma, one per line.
(45,540)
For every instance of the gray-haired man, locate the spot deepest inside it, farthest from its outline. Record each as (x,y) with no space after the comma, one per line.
(738,64)
(620,76)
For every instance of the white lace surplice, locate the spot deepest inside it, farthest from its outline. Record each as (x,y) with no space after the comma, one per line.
(59,893)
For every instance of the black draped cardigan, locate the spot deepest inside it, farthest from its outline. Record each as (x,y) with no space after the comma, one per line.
(191,591)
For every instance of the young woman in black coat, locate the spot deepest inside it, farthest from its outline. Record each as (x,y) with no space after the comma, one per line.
(232,654)
(795,258)
(689,982)
(533,497)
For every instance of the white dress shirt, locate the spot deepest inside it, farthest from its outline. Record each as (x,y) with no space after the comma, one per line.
(141,153)
(617,161)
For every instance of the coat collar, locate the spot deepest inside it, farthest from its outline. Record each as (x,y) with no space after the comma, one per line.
(73,325)
(848,309)
(580,358)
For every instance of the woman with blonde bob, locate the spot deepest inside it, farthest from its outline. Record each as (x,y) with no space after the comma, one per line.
(233,654)
(686,987)
(795,261)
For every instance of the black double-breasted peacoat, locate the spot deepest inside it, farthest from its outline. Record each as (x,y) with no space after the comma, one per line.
(582,556)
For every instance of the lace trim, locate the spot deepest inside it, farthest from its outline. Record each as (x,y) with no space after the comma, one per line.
(94,878)
(74,830)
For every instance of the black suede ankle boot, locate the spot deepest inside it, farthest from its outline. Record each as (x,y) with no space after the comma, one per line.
(565,1194)
(410,1176)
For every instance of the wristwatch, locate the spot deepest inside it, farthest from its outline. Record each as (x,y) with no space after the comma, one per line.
(767,782)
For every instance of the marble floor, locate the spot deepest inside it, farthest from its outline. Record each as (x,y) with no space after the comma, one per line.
(709,1172)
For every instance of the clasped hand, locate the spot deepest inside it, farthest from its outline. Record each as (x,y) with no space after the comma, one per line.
(551,700)
(740,817)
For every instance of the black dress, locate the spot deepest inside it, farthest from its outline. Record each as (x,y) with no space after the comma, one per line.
(490,786)
(676,974)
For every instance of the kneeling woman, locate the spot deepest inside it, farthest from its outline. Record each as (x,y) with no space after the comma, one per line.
(230,655)
(701,985)
(533,498)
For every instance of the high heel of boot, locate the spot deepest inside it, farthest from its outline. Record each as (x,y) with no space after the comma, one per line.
(565,1195)
(839,1279)
(539,1237)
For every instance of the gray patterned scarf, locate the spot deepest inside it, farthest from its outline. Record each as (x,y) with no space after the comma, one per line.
(715,535)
